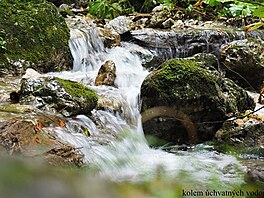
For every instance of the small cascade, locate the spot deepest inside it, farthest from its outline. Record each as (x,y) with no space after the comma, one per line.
(184,43)
(115,143)
(85,44)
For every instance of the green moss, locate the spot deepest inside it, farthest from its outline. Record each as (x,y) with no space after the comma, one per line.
(179,70)
(78,90)
(34,30)
(179,79)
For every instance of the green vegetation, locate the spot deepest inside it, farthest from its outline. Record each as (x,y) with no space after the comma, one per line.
(180,70)
(110,8)
(201,9)
(78,90)
(189,76)
(32,31)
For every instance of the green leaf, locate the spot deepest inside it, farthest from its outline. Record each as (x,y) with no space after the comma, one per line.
(246,11)
(259,12)
(236,10)
(212,3)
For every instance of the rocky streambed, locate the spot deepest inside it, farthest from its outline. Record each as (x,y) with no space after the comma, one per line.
(189,81)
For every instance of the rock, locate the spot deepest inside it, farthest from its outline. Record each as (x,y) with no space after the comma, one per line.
(111,102)
(198,99)
(159,8)
(179,43)
(243,138)
(65,96)
(106,74)
(160,15)
(139,24)
(36,36)
(111,38)
(206,59)
(29,139)
(255,176)
(8,84)
(80,11)
(168,23)
(63,156)
(120,24)
(153,63)
(243,61)
(31,73)
(65,10)
(178,25)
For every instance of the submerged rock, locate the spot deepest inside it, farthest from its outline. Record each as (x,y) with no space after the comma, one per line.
(36,36)
(106,74)
(197,101)
(65,96)
(243,61)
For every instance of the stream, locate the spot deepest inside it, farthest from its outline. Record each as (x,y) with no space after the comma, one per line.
(116,146)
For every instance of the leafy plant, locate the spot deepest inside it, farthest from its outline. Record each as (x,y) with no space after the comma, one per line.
(242,9)
(259,11)
(168,3)
(110,8)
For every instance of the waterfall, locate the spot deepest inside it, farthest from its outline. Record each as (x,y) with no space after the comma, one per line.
(169,44)
(116,145)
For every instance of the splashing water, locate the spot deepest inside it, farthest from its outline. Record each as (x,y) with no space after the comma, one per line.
(116,145)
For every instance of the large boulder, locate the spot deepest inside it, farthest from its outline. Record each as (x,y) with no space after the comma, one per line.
(187,101)
(65,96)
(35,35)
(243,61)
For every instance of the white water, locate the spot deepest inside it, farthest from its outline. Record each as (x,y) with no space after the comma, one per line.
(116,145)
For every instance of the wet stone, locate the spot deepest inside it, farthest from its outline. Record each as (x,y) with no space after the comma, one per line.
(54,94)
(106,74)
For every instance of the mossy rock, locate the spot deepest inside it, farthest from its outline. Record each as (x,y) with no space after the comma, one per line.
(198,96)
(36,36)
(78,90)
(243,61)
(65,96)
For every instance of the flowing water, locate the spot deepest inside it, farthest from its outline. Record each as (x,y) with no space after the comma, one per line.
(179,44)
(116,145)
